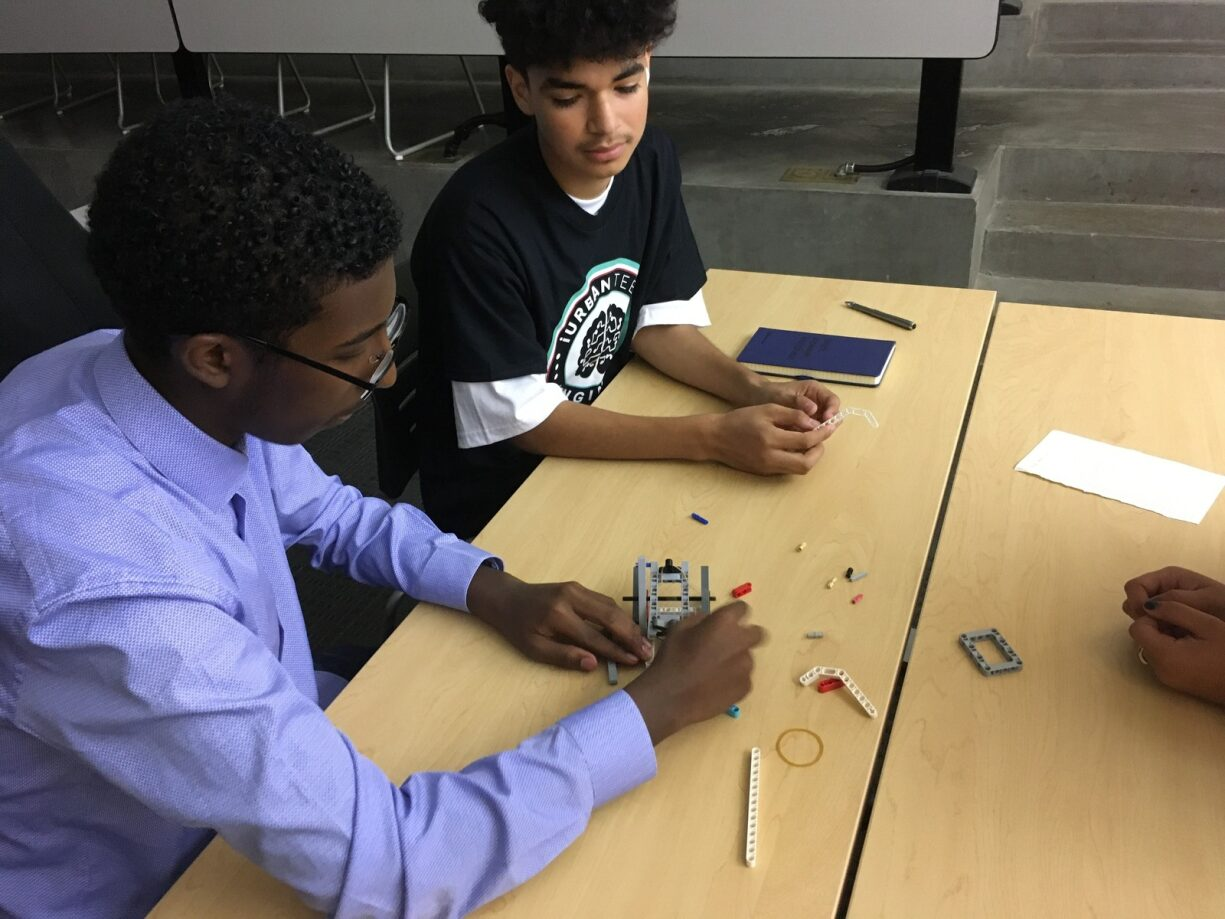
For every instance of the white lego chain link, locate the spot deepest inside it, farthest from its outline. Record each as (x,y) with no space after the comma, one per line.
(845,413)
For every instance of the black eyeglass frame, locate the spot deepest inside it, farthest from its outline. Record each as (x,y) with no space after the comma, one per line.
(394,329)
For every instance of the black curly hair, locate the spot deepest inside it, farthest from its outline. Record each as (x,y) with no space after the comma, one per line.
(549,33)
(223,217)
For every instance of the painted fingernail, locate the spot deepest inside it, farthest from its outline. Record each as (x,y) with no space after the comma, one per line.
(1150,604)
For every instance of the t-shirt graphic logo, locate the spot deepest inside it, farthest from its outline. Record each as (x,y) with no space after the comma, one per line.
(593,329)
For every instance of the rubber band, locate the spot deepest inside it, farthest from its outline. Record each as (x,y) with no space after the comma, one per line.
(778,745)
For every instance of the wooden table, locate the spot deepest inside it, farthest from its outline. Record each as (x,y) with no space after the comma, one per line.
(1078,786)
(443,692)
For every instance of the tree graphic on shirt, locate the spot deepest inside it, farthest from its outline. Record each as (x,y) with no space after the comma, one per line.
(600,344)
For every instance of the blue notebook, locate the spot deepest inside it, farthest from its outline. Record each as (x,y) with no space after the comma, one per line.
(835,358)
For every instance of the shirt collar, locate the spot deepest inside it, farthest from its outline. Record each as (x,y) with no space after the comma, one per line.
(203,467)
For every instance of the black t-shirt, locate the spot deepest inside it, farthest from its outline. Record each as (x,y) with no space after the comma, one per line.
(515,279)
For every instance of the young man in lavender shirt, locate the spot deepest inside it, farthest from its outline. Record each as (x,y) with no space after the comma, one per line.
(156,686)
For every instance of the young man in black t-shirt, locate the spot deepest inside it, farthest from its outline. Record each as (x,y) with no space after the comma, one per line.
(546,262)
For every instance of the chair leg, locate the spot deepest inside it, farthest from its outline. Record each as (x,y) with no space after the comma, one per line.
(54,98)
(356,119)
(400,153)
(280,88)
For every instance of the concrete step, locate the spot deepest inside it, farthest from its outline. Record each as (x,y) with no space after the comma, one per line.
(1081,21)
(1135,46)
(1138,45)
(1133,299)
(1105,176)
(1130,244)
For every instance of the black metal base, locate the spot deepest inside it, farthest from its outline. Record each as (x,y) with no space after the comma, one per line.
(465,130)
(959,182)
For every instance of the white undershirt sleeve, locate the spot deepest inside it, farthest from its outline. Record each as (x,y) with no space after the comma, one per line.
(487,413)
(674,312)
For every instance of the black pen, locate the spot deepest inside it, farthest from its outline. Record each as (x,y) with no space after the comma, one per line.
(887,317)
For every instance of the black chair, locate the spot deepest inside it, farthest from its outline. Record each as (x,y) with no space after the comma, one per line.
(395,437)
(48,292)
(396,412)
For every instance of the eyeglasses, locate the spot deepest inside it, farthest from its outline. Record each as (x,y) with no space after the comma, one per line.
(394,329)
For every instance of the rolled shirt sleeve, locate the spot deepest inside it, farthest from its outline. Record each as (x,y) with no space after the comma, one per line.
(674,312)
(488,413)
(198,721)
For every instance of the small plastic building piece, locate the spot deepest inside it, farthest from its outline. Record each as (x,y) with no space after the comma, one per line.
(856,598)
(750,834)
(801,547)
(734,711)
(743,589)
(849,572)
(699,518)
(830,584)
(969,640)
(814,634)
(858,576)
(847,413)
(829,684)
(612,673)
(811,676)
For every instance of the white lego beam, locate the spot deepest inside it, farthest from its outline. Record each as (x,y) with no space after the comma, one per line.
(812,675)
(750,836)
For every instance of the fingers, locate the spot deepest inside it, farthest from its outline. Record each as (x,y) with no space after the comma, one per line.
(736,612)
(1136,592)
(568,657)
(806,405)
(789,462)
(606,615)
(584,636)
(1145,633)
(1165,579)
(832,405)
(791,419)
(817,400)
(1198,623)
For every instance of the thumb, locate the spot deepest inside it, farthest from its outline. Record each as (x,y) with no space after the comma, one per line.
(1197,622)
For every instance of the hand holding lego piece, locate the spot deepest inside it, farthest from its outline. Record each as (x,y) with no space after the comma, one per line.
(1179,585)
(813,398)
(768,440)
(1185,648)
(565,624)
(701,670)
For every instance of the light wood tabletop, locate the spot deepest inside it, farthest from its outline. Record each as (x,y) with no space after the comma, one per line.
(444,691)
(1077,786)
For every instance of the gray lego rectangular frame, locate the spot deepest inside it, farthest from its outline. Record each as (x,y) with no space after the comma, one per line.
(969,641)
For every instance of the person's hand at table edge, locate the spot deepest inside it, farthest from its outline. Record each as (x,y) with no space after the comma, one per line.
(1185,648)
